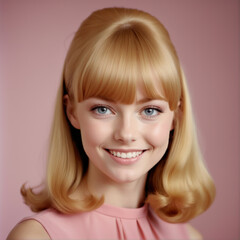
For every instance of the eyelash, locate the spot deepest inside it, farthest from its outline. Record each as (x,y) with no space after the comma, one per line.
(154,108)
(158,110)
(95,108)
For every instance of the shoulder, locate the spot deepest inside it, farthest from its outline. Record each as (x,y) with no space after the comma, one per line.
(29,229)
(193,233)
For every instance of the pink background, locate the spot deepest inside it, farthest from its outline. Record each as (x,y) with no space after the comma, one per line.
(34,39)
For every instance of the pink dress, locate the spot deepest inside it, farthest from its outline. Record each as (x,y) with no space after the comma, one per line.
(108,222)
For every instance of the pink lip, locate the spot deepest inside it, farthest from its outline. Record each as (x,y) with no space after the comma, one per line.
(125,161)
(125,150)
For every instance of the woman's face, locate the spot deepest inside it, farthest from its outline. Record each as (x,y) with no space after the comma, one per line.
(123,141)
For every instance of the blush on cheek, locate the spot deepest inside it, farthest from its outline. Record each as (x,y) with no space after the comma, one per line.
(94,133)
(159,135)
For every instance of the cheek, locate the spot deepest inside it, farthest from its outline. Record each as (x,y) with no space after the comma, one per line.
(158,135)
(94,133)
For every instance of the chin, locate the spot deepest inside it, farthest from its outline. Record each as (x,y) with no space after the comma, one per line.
(128,177)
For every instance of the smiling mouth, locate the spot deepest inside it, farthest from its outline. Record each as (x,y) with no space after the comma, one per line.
(125,155)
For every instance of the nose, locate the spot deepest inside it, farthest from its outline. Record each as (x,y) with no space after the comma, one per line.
(125,130)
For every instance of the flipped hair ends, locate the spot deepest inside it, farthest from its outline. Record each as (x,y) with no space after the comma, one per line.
(113,51)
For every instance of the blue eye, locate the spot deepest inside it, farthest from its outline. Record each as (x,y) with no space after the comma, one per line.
(151,112)
(102,110)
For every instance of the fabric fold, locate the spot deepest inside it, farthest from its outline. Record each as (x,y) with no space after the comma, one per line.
(109,223)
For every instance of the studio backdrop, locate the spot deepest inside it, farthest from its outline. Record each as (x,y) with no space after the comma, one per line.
(34,38)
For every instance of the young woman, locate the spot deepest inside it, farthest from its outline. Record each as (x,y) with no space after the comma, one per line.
(124,161)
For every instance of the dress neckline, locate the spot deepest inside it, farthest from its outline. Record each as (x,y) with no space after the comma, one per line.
(120,212)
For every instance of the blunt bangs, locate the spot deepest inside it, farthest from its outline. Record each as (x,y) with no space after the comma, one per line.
(125,59)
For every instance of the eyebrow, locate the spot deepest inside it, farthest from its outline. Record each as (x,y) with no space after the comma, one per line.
(141,101)
(144,100)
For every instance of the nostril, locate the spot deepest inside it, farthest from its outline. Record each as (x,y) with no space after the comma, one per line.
(124,136)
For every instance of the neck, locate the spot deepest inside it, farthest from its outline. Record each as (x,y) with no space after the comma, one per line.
(126,194)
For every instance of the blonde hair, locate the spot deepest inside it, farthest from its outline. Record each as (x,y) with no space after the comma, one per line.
(113,51)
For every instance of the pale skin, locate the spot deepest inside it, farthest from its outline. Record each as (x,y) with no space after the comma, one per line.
(119,140)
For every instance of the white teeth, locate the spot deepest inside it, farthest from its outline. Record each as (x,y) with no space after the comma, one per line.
(125,155)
